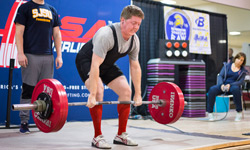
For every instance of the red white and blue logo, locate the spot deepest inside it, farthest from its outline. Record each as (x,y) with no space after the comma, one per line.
(177,26)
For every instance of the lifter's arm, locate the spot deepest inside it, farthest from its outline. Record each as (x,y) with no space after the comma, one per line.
(93,79)
(135,70)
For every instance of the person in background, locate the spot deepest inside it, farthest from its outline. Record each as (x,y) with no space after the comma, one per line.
(96,66)
(230,80)
(36,23)
(230,55)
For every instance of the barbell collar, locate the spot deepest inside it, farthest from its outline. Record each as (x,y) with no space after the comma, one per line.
(41,105)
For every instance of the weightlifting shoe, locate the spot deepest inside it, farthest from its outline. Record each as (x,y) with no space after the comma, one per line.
(238,116)
(124,139)
(100,142)
(24,128)
(210,117)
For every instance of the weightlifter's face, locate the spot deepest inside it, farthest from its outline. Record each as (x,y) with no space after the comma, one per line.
(131,26)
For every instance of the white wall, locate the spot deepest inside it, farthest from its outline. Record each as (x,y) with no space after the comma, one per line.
(235,49)
(246,50)
(234,15)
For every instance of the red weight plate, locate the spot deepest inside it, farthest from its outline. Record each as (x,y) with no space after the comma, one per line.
(64,105)
(59,105)
(173,106)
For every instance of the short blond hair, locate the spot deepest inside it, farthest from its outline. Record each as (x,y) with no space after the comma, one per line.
(132,10)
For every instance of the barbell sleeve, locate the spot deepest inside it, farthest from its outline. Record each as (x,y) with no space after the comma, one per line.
(17,107)
(38,105)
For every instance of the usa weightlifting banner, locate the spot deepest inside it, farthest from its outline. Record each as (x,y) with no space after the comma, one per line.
(80,20)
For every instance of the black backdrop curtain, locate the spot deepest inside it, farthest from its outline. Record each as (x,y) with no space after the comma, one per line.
(219,46)
(152,29)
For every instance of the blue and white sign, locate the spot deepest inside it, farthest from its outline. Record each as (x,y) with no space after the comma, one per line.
(188,25)
(80,20)
(177,26)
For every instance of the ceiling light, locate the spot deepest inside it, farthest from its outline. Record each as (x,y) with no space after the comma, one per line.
(171,2)
(234,33)
(222,41)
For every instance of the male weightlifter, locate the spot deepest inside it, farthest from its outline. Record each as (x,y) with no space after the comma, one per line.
(95,63)
(36,23)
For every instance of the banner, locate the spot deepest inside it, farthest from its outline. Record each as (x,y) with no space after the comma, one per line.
(80,21)
(188,25)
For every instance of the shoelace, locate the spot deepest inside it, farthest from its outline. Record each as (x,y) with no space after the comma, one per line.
(125,135)
(100,139)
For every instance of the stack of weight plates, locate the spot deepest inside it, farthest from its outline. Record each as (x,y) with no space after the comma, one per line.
(158,72)
(193,85)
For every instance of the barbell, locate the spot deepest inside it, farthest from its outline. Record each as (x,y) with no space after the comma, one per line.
(49,104)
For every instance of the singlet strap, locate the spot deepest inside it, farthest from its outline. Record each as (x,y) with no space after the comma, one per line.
(115,39)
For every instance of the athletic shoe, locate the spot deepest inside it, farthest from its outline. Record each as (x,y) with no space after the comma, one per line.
(210,117)
(238,116)
(24,128)
(100,142)
(124,140)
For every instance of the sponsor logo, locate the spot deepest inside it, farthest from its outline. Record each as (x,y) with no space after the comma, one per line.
(200,21)
(72,29)
(48,90)
(171,109)
(155,98)
(44,121)
(177,25)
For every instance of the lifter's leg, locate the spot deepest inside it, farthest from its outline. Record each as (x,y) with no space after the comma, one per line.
(122,89)
(96,111)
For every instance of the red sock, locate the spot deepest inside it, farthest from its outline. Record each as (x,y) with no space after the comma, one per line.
(123,112)
(96,115)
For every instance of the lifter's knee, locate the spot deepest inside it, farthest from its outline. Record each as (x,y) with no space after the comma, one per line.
(99,94)
(27,91)
(125,94)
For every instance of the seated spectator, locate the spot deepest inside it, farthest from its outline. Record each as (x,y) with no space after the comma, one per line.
(230,79)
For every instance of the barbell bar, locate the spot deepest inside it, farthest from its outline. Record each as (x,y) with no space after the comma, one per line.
(40,103)
(49,104)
